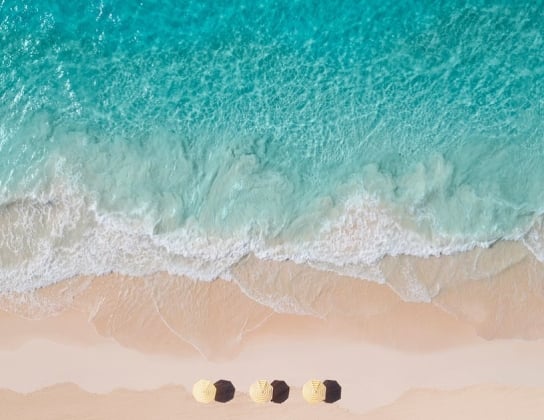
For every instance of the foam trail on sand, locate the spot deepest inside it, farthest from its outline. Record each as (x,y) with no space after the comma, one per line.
(182,137)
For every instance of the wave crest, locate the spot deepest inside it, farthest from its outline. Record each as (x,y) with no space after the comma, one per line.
(59,233)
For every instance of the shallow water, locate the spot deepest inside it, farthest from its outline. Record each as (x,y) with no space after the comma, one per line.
(181,136)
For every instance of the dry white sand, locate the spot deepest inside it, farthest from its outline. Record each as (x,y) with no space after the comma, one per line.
(67,402)
(155,337)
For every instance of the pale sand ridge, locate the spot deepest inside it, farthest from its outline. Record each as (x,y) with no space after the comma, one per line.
(144,333)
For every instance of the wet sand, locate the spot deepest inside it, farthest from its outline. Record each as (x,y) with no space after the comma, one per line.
(474,351)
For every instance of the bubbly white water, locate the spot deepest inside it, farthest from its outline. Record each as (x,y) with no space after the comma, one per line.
(58,232)
(183,136)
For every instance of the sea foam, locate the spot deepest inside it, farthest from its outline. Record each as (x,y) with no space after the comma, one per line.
(183,136)
(60,232)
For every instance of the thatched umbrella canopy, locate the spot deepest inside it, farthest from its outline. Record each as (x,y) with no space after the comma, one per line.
(280,391)
(313,391)
(204,391)
(261,391)
(333,391)
(225,391)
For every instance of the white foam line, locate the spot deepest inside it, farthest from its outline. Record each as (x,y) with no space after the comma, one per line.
(58,234)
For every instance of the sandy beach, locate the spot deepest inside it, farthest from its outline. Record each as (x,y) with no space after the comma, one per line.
(345,191)
(113,345)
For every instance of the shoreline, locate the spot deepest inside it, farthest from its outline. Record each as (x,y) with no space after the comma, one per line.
(142,334)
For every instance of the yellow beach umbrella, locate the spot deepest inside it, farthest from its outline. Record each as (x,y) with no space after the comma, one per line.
(261,391)
(314,391)
(204,391)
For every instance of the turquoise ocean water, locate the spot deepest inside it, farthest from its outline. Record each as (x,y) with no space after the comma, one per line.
(184,135)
